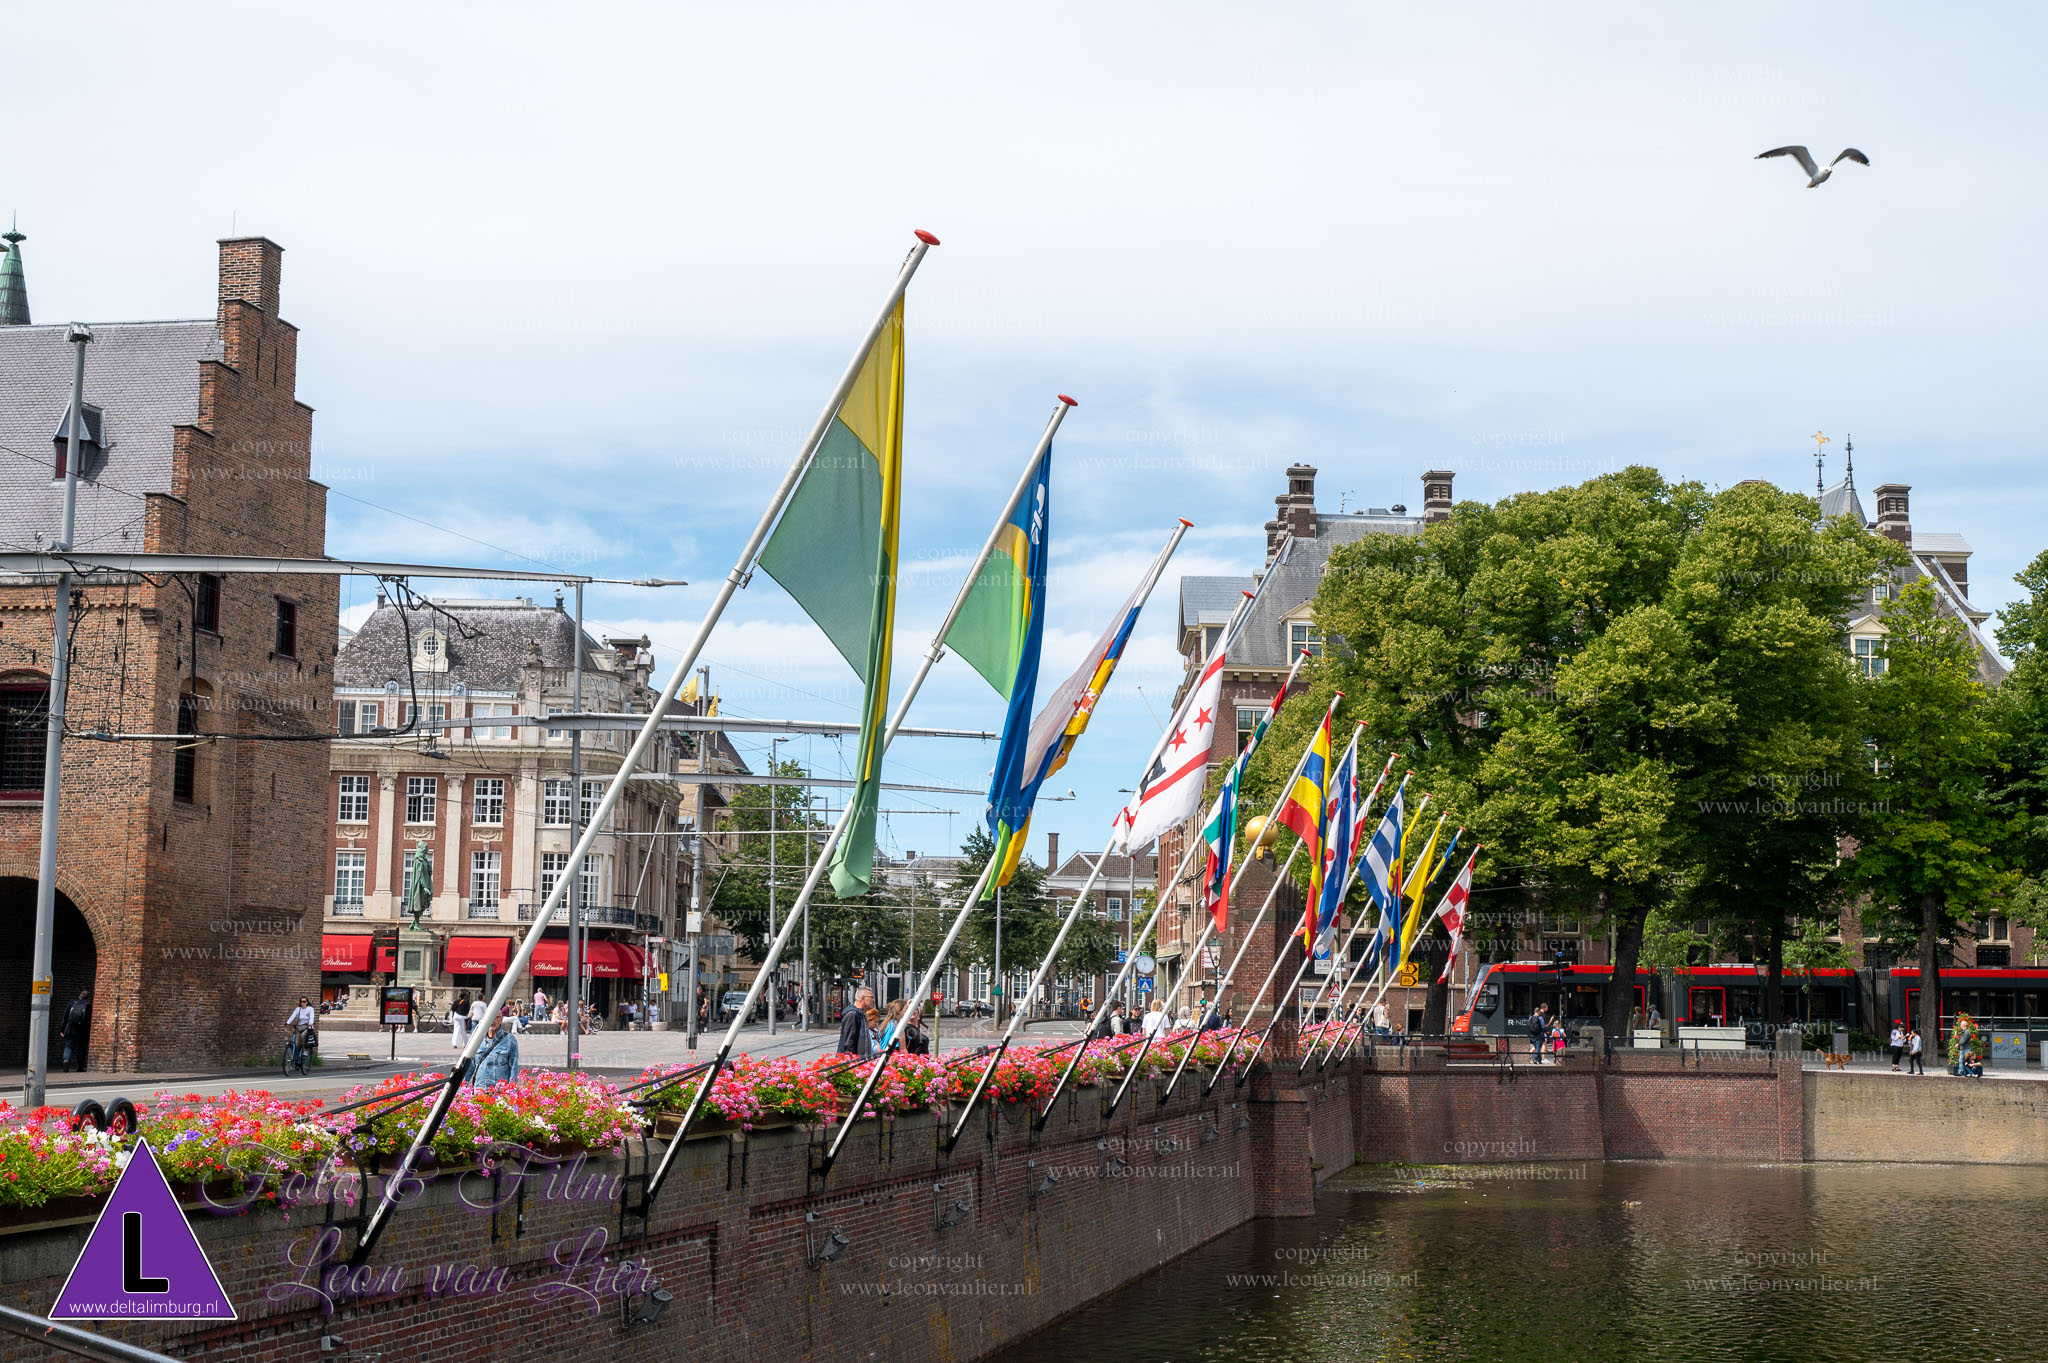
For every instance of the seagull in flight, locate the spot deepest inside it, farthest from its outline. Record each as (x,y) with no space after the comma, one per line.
(1816,176)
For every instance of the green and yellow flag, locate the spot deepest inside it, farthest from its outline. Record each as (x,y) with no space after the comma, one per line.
(834,550)
(1416,886)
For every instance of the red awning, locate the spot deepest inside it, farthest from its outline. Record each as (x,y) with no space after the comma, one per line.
(345,951)
(602,959)
(475,955)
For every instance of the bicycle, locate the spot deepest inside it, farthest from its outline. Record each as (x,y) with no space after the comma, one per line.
(297,1051)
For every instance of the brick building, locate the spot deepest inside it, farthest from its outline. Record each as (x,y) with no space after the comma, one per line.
(495,805)
(193,779)
(1121,896)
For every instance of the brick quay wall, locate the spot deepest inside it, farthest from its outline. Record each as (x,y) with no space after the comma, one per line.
(951,1257)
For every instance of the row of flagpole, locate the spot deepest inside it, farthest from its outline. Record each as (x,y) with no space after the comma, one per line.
(862,422)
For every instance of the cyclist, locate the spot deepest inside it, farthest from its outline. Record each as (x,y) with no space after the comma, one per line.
(300,1025)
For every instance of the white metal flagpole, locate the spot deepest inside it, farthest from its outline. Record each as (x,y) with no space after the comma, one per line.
(742,570)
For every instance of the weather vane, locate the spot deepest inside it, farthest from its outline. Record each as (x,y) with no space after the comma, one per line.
(1819,455)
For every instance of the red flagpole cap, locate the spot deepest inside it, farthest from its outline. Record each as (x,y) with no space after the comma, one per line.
(1186,522)
(1248,594)
(926,237)
(1069,401)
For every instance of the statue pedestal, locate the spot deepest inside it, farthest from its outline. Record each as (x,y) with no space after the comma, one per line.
(415,956)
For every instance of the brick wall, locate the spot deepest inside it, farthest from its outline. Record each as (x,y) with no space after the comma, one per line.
(729,1238)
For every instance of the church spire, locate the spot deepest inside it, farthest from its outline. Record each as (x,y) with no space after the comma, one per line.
(1849,469)
(13,290)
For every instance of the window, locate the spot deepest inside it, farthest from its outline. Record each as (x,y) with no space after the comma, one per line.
(551,866)
(354,806)
(405,894)
(348,882)
(1248,717)
(287,642)
(1302,634)
(556,733)
(495,730)
(344,716)
(1116,908)
(593,795)
(88,440)
(185,755)
(483,884)
(206,603)
(1211,636)
(1870,659)
(1989,955)
(436,718)
(554,802)
(591,873)
(422,794)
(487,803)
(24,718)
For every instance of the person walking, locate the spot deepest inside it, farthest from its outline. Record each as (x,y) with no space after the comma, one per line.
(1155,1018)
(497,1058)
(1914,1046)
(854,1036)
(77,1030)
(477,1007)
(1897,1043)
(1118,1023)
(1539,1030)
(458,1021)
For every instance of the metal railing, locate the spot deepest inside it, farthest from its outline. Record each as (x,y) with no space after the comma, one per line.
(482,908)
(348,908)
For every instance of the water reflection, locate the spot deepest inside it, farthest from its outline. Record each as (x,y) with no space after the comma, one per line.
(1591,1263)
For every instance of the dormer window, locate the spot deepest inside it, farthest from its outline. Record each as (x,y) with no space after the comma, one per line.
(92,447)
(430,652)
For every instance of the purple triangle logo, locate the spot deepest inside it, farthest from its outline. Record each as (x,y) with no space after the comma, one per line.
(142,1260)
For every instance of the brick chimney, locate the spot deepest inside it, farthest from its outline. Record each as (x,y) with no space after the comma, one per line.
(1436,495)
(1052,853)
(1276,535)
(1298,506)
(1892,519)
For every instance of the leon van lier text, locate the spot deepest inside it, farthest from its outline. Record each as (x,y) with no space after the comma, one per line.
(582,1276)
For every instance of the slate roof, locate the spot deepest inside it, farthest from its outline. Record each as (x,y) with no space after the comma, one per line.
(1944,543)
(1117,871)
(1841,499)
(487,644)
(1293,578)
(145,375)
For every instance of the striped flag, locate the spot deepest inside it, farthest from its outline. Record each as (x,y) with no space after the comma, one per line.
(1306,814)
(1342,822)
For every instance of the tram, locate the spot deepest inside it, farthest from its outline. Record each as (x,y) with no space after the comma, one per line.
(1504,996)
(1732,994)
(2000,998)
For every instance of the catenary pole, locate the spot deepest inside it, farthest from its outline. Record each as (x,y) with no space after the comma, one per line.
(35,1069)
(578,909)
(742,570)
(818,867)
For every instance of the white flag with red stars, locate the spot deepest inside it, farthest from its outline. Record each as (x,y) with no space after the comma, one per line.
(1172,788)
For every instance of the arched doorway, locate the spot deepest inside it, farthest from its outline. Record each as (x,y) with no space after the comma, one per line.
(74,960)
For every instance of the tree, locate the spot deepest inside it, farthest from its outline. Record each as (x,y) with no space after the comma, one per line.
(1929,844)
(1587,677)
(1030,919)
(2020,711)
(846,935)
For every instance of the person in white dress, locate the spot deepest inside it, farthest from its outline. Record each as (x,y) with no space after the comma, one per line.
(458,1022)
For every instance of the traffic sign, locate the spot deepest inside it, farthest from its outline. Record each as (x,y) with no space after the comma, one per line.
(1144,984)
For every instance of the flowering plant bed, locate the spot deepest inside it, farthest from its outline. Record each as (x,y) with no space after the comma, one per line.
(44,1162)
(543,1110)
(247,1138)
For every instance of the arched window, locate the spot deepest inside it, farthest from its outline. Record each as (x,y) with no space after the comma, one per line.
(24,724)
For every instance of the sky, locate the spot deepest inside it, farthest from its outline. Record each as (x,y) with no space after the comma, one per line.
(573,282)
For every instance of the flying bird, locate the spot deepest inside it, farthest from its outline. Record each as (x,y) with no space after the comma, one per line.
(1817,175)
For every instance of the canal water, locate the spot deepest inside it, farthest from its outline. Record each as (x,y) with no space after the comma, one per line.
(1604,1263)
